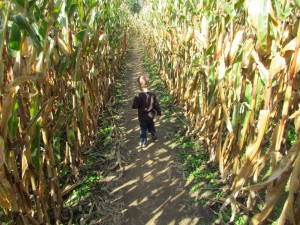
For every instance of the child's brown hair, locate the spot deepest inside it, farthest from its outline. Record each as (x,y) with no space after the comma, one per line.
(143,81)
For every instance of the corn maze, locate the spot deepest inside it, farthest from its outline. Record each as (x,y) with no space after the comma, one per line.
(232,65)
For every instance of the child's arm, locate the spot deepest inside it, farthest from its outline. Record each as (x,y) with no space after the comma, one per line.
(157,106)
(136,103)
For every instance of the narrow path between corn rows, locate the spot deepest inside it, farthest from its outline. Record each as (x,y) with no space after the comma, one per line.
(152,188)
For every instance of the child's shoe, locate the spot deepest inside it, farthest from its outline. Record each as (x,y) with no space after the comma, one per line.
(154,136)
(142,143)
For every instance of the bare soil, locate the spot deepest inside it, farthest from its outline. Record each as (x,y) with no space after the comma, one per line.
(151,188)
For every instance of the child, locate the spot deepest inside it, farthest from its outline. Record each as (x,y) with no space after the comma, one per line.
(147,106)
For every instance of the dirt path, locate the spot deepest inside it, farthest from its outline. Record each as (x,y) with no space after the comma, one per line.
(152,189)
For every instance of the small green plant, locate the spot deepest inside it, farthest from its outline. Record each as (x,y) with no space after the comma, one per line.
(292,136)
(84,190)
(241,220)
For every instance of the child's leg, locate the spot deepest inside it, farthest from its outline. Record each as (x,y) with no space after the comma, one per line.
(143,132)
(151,129)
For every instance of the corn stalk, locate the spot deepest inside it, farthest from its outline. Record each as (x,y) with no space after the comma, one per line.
(61,58)
(233,66)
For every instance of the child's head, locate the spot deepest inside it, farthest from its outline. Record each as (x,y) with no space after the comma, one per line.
(143,81)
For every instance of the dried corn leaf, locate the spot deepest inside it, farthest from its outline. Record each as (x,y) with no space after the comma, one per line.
(247,50)
(236,45)
(252,151)
(288,210)
(7,195)
(221,75)
(200,38)
(263,72)
(273,194)
(277,64)
(285,164)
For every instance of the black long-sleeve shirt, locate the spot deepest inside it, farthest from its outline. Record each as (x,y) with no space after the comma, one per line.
(147,105)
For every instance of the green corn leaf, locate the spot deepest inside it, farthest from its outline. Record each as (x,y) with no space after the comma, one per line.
(229,9)
(72,135)
(57,9)
(37,12)
(79,89)
(13,121)
(62,67)
(21,5)
(14,38)
(32,3)
(93,5)
(297,3)
(34,109)
(23,24)
(238,4)
(80,35)
(43,29)
(57,146)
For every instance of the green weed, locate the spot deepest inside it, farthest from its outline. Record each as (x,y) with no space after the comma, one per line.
(84,190)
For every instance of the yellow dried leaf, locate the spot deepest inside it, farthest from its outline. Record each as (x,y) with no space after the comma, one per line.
(219,47)
(189,35)
(7,195)
(200,38)
(235,45)
(277,64)
(247,49)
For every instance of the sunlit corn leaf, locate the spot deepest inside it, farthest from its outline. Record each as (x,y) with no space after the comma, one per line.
(263,72)
(229,9)
(57,8)
(247,50)
(258,12)
(236,45)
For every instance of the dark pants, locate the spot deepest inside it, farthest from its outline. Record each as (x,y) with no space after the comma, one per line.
(146,125)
